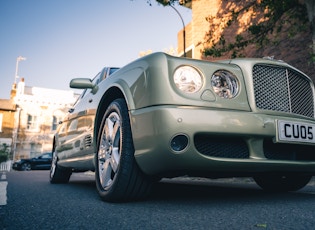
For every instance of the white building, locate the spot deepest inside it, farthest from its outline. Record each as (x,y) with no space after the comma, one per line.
(39,110)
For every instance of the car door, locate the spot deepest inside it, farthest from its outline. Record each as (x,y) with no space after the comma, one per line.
(78,141)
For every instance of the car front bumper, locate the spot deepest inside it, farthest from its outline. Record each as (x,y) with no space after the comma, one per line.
(213,138)
(16,166)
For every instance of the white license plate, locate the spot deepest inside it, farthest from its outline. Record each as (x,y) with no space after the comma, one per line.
(296,132)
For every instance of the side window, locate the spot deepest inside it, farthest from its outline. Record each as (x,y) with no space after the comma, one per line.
(113,70)
(105,73)
(108,72)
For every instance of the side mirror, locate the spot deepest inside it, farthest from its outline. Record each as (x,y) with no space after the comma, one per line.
(83,83)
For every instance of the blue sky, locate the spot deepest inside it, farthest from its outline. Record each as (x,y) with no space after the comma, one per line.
(64,39)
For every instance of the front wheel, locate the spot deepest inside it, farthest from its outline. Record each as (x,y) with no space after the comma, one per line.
(26,166)
(118,177)
(57,173)
(285,183)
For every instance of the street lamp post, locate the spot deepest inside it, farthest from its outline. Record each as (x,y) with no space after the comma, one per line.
(18,59)
(15,131)
(184,32)
(17,115)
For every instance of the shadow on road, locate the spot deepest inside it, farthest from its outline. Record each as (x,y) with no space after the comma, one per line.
(82,180)
(204,190)
(220,191)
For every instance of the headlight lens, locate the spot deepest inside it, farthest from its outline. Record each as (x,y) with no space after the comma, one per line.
(188,79)
(224,84)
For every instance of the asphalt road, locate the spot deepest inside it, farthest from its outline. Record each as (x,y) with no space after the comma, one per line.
(29,201)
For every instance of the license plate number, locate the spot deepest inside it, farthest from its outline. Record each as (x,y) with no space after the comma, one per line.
(296,132)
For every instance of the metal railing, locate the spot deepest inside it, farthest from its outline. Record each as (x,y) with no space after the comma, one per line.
(6,166)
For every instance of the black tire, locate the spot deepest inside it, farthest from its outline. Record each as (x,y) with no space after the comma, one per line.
(58,174)
(118,177)
(26,166)
(278,183)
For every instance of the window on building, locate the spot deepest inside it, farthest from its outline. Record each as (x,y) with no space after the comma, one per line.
(1,116)
(32,122)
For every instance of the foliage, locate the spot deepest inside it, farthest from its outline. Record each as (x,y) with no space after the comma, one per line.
(164,2)
(268,17)
(167,2)
(4,153)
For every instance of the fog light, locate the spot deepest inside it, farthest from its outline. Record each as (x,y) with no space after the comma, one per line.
(179,142)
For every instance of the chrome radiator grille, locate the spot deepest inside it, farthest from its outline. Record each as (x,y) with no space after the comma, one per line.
(282,89)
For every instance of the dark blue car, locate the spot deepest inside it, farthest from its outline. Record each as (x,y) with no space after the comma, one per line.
(40,162)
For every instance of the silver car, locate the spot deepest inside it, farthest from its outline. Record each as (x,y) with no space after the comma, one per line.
(164,116)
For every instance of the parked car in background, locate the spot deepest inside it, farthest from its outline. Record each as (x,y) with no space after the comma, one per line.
(42,161)
(164,116)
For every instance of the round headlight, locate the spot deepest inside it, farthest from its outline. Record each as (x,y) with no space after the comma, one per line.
(188,79)
(224,84)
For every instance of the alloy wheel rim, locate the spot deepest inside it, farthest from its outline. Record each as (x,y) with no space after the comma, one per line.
(109,150)
(26,166)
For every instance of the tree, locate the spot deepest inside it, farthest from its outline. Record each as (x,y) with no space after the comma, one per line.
(268,18)
(167,2)
(310,5)
(4,153)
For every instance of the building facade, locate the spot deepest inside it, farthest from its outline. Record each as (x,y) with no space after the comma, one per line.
(7,114)
(196,30)
(31,118)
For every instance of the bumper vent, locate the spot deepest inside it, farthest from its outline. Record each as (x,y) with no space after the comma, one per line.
(221,146)
(282,89)
(290,152)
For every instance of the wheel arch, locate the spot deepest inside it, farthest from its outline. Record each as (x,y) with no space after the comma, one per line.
(113,93)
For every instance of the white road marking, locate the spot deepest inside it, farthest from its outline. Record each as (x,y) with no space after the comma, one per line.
(3,176)
(3,192)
